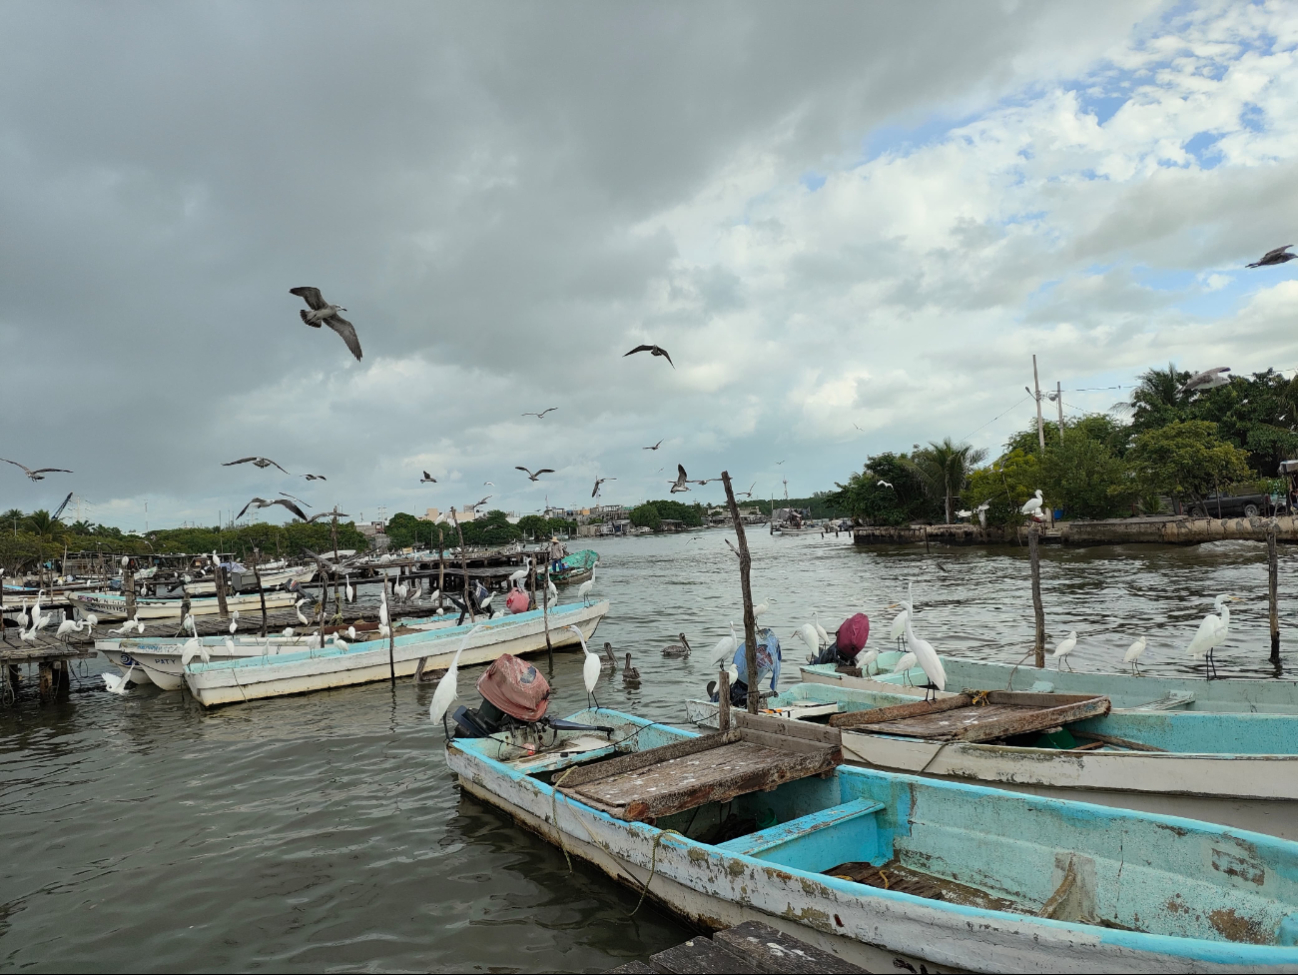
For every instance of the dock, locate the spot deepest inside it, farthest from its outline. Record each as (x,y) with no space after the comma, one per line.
(52,659)
(748,947)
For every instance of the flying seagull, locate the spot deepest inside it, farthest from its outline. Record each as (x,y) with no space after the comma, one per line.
(427,479)
(314,477)
(682,483)
(1208,379)
(542,413)
(655,446)
(488,483)
(475,507)
(1278,256)
(262,462)
(263,503)
(40,472)
(653,349)
(285,494)
(887,484)
(323,313)
(748,493)
(328,514)
(530,475)
(598,482)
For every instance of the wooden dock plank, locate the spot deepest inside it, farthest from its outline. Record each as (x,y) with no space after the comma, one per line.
(769,950)
(632,968)
(775,725)
(700,956)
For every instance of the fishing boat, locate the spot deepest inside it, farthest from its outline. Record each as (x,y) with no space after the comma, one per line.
(1236,769)
(890,872)
(113,604)
(1271,695)
(244,580)
(577,567)
(231,681)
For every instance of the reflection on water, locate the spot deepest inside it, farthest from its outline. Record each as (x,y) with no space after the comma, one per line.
(325,832)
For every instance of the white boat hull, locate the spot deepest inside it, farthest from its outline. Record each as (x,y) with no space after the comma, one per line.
(124,662)
(113,606)
(300,672)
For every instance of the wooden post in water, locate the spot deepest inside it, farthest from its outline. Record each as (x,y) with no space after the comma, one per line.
(441,565)
(750,621)
(128,586)
(545,614)
(723,701)
(261,593)
(464,566)
(1272,590)
(1034,556)
(392,640)
(218,577)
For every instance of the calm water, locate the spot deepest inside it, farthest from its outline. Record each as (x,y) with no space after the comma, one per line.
(324,832)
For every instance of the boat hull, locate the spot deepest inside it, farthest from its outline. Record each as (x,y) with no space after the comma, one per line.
(113,606)
(236,681)
(124,662)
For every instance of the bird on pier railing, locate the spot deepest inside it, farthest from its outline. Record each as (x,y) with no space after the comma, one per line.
(323,313)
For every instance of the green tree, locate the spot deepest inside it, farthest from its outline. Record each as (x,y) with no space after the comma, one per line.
(1258,414)
(44,527)
(944,468)
(405,530)
(1005,484)
(1082,475)
(887,491)
(1186,459)
(646,516)
(1158,400)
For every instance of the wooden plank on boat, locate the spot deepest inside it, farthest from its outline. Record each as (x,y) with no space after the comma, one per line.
(638,760)
(769,950)
(999,714)
(775,725)
(852,719)
(700,956)
(731,768)
(632,968)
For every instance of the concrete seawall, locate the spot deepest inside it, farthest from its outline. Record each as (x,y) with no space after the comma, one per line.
(1166,530)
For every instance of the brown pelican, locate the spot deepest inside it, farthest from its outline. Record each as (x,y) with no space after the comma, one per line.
(681,649)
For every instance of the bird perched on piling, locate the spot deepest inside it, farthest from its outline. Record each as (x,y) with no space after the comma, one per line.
(1066,646)
(1032,507)
(323,313)
(259,462)
(725,648)
(1132,656)
(681,649)
(1212,633)
(532,476)
(40,472)
(1279,255)
(652,350)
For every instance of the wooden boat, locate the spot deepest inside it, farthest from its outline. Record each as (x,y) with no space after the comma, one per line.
(577,567)
(1236,769)
(113,605)
(1272,695)
(247,678)
(245,581)
(892,872)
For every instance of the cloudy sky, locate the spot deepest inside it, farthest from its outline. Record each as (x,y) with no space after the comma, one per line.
(851,225)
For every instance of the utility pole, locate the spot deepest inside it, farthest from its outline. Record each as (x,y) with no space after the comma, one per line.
(1059,401)
(1041,423)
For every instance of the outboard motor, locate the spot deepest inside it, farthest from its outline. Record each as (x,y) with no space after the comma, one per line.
(514,697)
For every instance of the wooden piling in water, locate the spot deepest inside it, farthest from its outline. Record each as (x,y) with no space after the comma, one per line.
(750,621)
(1034,556)
(392,639)
(545,614)
(1272,591)
(261,593)
(441,567)
(128,586)
(464,564)
(218,579)
(723,701)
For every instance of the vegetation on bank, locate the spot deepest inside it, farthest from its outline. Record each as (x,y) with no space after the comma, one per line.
(1161,444)
(493,528)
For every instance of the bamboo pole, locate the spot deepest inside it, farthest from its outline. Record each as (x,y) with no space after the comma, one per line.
(464,565)
(750,621)
(1034,556)
(441,565)
(218,577)
(261,593)
(392,640)
(128,586)
(1272,589)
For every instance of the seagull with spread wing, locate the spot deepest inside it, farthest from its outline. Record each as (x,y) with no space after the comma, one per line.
(653,350)
(328,514)
(682,482)
(1277,256)
(285,494)
(598,482)
(541,415)
(748,493)
(475,507)
(314,477)
(427,479)
(533,476)
(654,447)
(323,313)
(40,472)
(261,462)
(263,503)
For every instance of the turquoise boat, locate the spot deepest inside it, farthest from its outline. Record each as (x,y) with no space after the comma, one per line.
(900,872)
(1274,696)
(577,567)
(1236,769)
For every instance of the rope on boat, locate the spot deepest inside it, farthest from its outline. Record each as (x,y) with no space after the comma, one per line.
(653,866)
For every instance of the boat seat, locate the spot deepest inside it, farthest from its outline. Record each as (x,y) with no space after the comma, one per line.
(819,840)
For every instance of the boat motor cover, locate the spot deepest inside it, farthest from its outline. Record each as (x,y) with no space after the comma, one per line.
(516,687)
(853,635)
(518,601)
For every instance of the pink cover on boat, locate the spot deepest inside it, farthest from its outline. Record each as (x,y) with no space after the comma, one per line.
(516,687)
(517,601)
(853,635)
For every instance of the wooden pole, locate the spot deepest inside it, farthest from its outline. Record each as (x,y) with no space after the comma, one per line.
(545,614)
(218,577)
(261,593)
(338,599)
(464,565)
(392,640)
(1059,401)
(128,587)
(1034,556)
(1272,589)
(750,621)
(1041,423)
(723,701)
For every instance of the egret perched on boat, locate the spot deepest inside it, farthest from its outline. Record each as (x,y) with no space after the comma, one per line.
(193,648)
(725,647)
(229,646)
(590,668)
(1212,633)
(1132,656)
(821,632)
(189,624)
(351,632)
(866,659)
(297,608)
(583,591)
(926,656)
(1064,648)
(116,683)
(234,621)
(681,649)
(904,665)
(897,632)
(519,575)
(447,691)
(1032,506)
(808,635)
(348,590)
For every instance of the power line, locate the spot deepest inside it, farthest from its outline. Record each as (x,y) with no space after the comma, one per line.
(996,417)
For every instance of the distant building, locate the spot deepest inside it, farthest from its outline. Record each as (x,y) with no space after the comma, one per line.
(432,514)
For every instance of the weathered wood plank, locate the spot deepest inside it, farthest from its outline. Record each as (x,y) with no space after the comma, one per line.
(652,756)
(1029,699)
(771,724)
(769,950)
(700,956)
(632,968)
(1135,746)
(785,742)
(851,719)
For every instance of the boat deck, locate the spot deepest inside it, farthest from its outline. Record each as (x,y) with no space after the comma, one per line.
(975,716)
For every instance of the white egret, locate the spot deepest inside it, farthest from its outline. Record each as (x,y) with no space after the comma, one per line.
(552,593)
(348,590)
(384,619)
(297,608)
(139,624)
(229,646)
(725,647)
(821,632)
(808,635)
(40,620)
(897,632)
(234,622)
(866,659)
(351,632)
(189,624)
(762,607)
(193,647)
(401,590)
(288,632)
(446,690)
(1132,656)
(1033,505)
(66,627)
(589,668)
(926,656)
(1064,648)
(116,683)
(905,663)
(583,591)
(519,575)
(91,621)
(1212,633)
(340,643)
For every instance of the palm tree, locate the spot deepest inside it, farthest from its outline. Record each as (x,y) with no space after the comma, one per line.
(1159,399)
(47,529)
(944,468)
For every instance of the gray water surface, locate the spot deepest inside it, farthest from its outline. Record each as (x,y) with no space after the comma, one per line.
(323,832)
